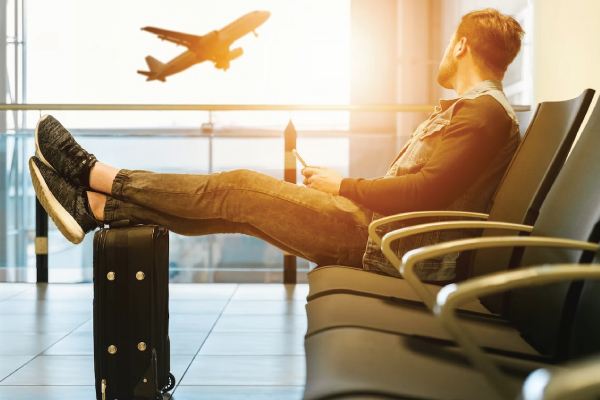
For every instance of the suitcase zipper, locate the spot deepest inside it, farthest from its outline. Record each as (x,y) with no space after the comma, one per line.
(103,389)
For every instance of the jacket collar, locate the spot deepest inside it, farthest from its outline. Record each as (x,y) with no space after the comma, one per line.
(481,87)
(484,87)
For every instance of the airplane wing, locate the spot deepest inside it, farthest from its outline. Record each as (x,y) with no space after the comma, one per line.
(174,37)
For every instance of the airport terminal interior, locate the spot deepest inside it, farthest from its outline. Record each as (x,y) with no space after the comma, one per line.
(201,87)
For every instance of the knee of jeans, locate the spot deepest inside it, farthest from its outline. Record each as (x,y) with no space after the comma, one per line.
(240,177)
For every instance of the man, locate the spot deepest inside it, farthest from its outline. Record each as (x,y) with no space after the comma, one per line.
(453,161)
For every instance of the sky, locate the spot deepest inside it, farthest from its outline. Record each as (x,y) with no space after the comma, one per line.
(89,52)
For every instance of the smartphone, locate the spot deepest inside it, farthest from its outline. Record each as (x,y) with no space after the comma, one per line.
(299,158)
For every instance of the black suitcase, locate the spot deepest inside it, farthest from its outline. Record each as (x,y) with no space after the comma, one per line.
(131,312)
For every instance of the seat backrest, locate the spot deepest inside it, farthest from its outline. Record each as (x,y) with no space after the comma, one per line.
(525,118)
(571,211)
(585,332)
(530,176)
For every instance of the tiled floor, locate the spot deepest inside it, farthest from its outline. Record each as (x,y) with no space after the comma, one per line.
(228,341)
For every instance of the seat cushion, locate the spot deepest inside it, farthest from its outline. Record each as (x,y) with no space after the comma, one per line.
(328,280)
(344,362)
(348,310)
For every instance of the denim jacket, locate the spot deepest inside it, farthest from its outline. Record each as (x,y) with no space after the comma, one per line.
(415,153)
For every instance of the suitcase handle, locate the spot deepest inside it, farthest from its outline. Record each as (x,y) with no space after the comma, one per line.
(125,223)
(120,224)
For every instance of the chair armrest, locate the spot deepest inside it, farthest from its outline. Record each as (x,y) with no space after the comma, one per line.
(454,295)
(418,214)
(440,226)
(407,267)
(578,381)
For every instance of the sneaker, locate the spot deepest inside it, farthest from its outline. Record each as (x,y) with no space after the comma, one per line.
(66,203)
(56,148)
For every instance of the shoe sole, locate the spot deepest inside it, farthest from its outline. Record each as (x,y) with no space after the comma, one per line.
(65,223)
(38,152)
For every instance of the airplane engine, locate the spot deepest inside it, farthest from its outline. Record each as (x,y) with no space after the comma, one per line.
(235,53)
(223,63)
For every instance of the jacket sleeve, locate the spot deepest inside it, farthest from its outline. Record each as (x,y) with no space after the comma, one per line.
(477,131)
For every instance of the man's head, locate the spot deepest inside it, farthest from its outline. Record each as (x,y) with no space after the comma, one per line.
(486,42)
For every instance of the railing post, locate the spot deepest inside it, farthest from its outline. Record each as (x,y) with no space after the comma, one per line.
(41,242)
(289,139)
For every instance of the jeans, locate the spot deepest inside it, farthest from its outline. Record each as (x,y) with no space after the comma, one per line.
(307,223)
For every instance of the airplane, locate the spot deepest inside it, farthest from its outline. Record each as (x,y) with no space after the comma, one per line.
(213,46)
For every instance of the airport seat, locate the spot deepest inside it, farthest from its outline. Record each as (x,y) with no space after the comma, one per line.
(348,362)
(576,381)
(558,320)
(524,118)
(562,216)
(523,189)
(356,363)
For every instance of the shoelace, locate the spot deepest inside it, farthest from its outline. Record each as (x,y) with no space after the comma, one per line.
(75,163)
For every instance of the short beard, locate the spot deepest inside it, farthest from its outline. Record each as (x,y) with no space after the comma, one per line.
(446,72)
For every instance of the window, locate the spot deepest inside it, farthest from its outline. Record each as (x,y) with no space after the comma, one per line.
(89,52)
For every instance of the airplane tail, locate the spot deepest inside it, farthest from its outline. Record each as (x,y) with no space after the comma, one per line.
(153,64)
(155,67)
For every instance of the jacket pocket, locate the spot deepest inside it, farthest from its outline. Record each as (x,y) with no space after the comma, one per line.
(433,129)
(427,142)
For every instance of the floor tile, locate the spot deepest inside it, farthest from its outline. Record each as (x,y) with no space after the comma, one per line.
(10,290)
(201,291)
(270,292)
(238,392)
(75,344)
(9,364)
(47,392)
(86,327)
(26,344)
(179,364)
(265,307)
(263,343)
(42,323)
(191,323)
(71,370)
(54,371)
(197,306)
(57,291)
(246,370)
(261,323)
(186,343)
(255,350)
(21,307)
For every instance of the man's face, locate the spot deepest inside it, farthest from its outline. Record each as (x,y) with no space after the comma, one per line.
(448,66)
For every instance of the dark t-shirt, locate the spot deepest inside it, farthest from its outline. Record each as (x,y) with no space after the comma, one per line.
(477,131)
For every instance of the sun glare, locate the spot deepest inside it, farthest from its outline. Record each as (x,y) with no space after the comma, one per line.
(91,52)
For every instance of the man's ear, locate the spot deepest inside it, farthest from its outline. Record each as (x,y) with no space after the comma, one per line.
(460,49)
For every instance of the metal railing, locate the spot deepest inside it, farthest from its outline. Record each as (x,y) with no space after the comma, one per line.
(290,135)
(232,107)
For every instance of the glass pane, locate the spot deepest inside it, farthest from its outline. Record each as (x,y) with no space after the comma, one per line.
(17,221)
(90,54)
(84,62)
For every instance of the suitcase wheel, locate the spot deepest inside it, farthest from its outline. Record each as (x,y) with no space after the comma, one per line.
(171,383)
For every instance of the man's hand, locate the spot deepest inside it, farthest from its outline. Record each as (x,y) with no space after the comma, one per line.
(322,179)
